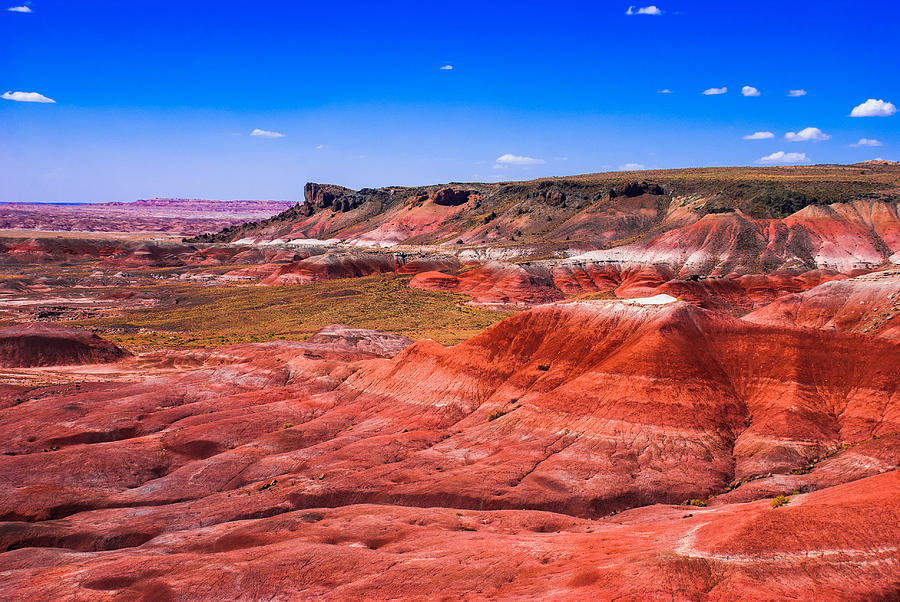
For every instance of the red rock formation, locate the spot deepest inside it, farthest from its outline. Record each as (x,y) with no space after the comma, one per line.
(381,344)
(576,278)
(435,281)
(841,237)
(495,283)
(41,344)
(262,458)
(549,457)
(867,304)
(603,223)
(742,294)
(331,266)
(835,544)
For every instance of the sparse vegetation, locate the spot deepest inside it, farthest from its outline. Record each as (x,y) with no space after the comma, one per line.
(495,414)
(287,425)
(213,316)
(696,502)
(807,468)
(780,500)
(543,367)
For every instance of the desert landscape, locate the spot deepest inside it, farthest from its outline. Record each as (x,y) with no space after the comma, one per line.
(456,301)
(676,384)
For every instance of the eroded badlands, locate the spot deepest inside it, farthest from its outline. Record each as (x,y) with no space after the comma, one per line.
(684,387)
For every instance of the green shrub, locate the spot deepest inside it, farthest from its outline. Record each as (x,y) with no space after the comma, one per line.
(544,367)
(696,502)
(288,425)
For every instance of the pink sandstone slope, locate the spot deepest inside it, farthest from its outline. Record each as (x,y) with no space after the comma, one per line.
(868,304)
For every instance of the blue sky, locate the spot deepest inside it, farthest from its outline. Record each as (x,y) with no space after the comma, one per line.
(160,99)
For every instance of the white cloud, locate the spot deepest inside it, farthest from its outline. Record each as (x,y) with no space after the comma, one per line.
(783,158)
(868,142)
(26,97)
(632,167)
(447,67)
(19,9)
(807,135)
(320,147)
(759,136)
(749,91)
(266,134)
(647,10)
(873,108)
(800,92)
(509,159)
(560,158)
(665,91)
(714,91)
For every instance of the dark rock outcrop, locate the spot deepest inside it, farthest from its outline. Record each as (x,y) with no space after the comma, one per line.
(338,198)
(636,188)
(40,344)
(451,197)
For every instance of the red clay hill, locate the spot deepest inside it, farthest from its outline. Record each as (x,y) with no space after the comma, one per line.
(553,455)
(41,344)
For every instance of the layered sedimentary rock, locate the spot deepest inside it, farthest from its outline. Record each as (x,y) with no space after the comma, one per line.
(121,253)
(835,544)
(507,454)
(186,217)
(495,283)
(742,294)
(867,304)
(840,237)
(331,266)
(382,344)
(503,454)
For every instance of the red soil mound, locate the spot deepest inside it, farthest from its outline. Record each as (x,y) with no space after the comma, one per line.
(611,376)
(52,345)
(382,344)
(579,277)
(496,283)
(867,304)
(743,294)
(331,266)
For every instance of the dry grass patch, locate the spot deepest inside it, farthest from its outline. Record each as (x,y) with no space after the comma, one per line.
(207,316)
